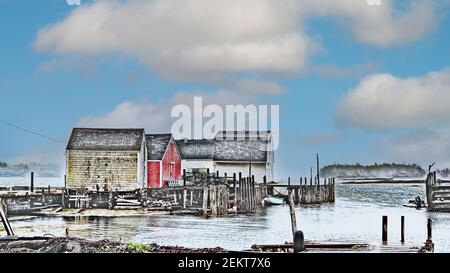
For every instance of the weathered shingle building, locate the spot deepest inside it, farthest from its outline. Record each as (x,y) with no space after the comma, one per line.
(196,155)
(164,161)
(112,157)
(230,152)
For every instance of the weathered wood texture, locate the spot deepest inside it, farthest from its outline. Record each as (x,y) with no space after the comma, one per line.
(438,193)
(118,170)
(309,194)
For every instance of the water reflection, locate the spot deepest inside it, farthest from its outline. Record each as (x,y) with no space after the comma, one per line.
(356,215)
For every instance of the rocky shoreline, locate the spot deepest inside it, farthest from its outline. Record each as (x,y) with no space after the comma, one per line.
(79,245)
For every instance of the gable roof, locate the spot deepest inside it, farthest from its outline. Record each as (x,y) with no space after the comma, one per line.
(103,139)
(223,150)
(196,148)
(240,150)
(157,145)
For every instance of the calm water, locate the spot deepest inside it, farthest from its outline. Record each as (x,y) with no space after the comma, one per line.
(38,181)
(356,215)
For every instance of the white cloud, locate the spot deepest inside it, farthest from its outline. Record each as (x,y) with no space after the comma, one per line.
(195,39)
(384,25)
(383,101)
(209,40)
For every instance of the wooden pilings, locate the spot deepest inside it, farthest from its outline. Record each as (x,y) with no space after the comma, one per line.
(292,209)
(32,182)
(429,229)
(429,245)
(402,229)
(313,193)
(216,199)
(248,197)
(384,229)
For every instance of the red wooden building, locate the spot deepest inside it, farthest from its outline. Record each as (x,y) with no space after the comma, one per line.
(164,160)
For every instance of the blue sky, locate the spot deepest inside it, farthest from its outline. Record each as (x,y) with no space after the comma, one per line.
(60,68)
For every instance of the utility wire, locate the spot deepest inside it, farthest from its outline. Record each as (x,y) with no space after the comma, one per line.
(31,132)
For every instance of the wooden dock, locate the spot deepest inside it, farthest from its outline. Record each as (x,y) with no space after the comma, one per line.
(438,193)
(307,192)
(340,247)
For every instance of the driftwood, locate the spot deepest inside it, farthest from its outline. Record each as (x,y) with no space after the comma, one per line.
(5,220)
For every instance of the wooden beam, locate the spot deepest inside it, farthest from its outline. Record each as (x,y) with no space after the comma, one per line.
(5,220)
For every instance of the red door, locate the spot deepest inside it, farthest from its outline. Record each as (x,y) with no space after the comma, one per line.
(154,175)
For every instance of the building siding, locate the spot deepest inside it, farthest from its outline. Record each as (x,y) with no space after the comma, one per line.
(154,174)
(119,169)
(171,157)
(190,164)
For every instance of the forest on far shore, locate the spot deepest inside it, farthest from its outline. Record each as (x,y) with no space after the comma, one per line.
(394,170)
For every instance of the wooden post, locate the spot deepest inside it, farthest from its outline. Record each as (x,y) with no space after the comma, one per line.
(235,191)
(184,198)
(265,187)
(43,197)
(429,229)
(253,192)
(247,187)
(241,192)
(246,195)
(205,201)
(402,229)
(217,174)
(48,189)
(292,211)
(32,182)
(4,219)
(318,168)
(184,177)
(385,229)
(429,246)
(213,196)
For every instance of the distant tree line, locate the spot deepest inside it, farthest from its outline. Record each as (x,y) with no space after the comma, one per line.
(375,170)
(3,165)
(444,172)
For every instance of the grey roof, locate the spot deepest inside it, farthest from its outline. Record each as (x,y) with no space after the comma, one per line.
(240,150)
(196,149)
(157,145)
(223,150)
(242,135)
(106,139)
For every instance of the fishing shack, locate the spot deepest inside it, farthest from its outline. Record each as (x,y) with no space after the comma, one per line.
(164,161)
(110,159)
(246,152)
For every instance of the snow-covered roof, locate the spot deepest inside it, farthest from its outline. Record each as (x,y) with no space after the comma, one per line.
(196,149)
(240,150)
(102,139)
(223,150)
(157,145)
